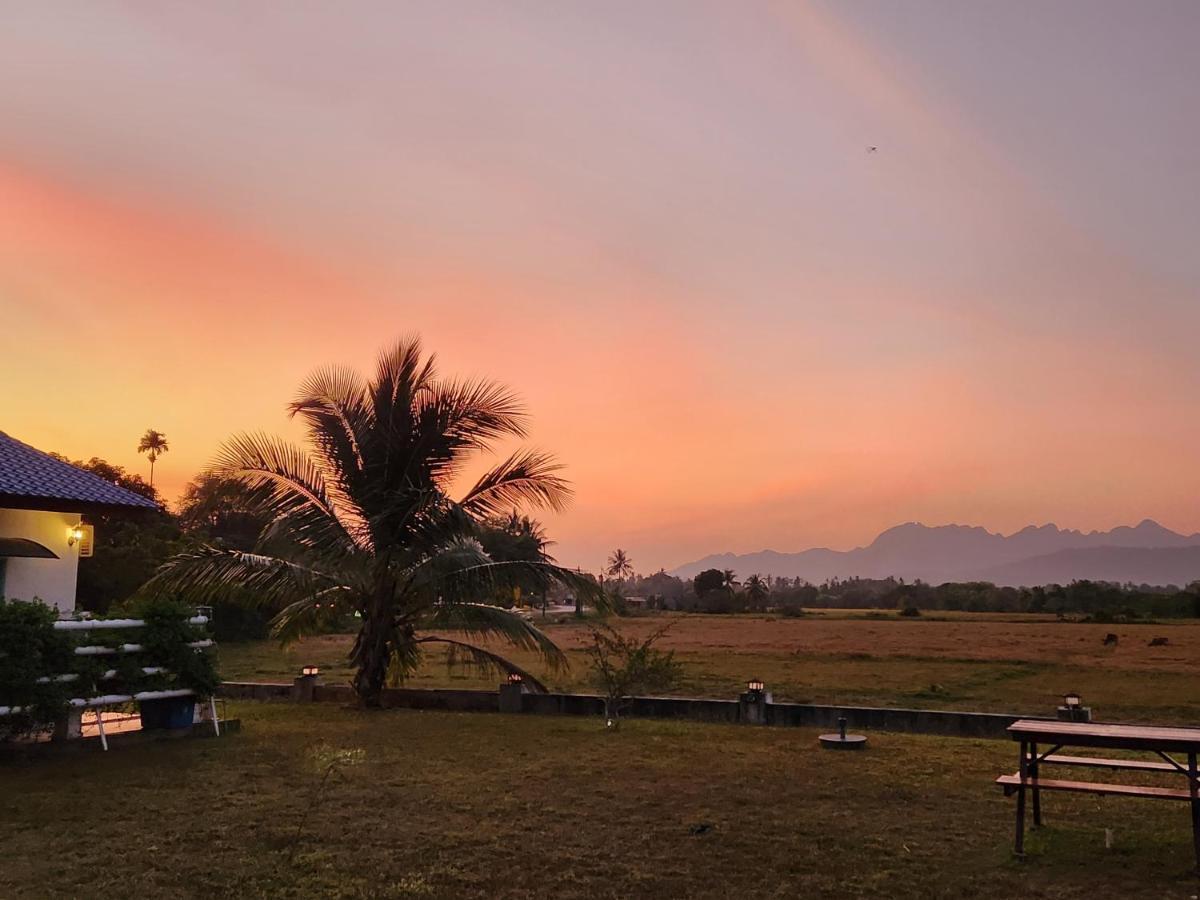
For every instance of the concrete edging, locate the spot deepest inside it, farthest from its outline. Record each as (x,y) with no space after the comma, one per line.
(948,723)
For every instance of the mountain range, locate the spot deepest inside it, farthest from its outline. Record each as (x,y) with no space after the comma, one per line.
(1146,553)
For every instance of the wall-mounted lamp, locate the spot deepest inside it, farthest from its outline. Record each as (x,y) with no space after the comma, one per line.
(74,534)
(755,686)
(310,671)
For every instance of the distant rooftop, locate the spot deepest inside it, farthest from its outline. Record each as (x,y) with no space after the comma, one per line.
(31,479)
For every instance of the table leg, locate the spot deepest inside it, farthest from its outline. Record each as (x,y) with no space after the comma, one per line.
(1194,788)
(1037,794)
(1022,770)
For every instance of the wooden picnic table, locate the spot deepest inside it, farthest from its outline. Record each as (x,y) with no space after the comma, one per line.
(1160,741)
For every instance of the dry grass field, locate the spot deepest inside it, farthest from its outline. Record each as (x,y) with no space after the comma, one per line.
(492,806)
(1000,663)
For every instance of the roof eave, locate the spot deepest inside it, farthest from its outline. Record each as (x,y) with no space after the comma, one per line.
(60,504)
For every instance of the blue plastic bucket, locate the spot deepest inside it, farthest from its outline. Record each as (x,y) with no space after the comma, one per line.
(167,713)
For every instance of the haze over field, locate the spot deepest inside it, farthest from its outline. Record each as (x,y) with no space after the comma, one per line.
(1144,554)
(659,222)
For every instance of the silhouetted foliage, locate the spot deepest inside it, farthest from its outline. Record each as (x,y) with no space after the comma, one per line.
(708,580)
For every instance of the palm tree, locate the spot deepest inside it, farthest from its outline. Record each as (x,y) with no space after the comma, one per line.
(619,566)
(153,444)
(728,578)
(364,522)
(757,591)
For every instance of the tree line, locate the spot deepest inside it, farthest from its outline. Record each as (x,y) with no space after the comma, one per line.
(720,591)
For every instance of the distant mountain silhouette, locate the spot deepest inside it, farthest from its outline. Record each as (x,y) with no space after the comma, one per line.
(1145,553)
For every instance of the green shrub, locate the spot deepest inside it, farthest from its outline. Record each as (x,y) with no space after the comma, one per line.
(165,637)
(910,612)
(30,649)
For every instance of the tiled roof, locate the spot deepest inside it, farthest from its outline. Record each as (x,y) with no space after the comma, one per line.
(28,475)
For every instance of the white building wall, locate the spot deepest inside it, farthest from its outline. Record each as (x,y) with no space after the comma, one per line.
(49,580)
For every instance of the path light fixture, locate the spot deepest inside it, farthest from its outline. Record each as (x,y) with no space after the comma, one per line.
(1073,710)
(310,671)
(515,678)
(755,686)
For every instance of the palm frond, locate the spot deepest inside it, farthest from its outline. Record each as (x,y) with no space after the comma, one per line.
(465,582)
(526,478)
(288,487)
(460,653)
(494,622)
(212,573)
(333,402)
(399,377)
(309,615)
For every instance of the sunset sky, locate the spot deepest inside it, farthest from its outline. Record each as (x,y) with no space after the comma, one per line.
(659,222)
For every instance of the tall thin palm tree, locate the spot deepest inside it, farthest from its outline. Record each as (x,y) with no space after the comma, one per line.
(154,445)
(364,519)
(619,565)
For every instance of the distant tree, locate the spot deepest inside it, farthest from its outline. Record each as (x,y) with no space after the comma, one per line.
(518,539)
(757,591)
(221,511)
(666,587)
(153,444)
(129,544)
(728,578)
(619,567)
(624,667)
(708,580)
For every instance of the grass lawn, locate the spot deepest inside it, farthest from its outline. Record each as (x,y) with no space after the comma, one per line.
(478,805)
(968,661)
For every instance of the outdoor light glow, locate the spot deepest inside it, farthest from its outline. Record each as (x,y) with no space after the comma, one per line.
(74,535)
(515,678)
(755,685)
(310,671)
(1072,700)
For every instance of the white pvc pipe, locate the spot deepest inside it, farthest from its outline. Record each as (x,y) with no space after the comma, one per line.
(107,700)
(96,624)
(98,650)
(111,673)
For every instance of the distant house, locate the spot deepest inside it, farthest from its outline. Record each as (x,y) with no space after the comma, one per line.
(43,502)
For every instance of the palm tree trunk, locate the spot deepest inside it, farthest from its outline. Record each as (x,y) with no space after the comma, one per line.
(373,647)
(370,658)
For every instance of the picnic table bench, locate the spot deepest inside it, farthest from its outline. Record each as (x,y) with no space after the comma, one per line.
(1148,739)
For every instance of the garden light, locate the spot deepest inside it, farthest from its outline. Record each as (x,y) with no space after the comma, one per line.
(1072,701)
(755,686)
(515,678)
(310,671)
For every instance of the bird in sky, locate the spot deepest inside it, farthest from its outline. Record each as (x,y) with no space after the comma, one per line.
(872,149)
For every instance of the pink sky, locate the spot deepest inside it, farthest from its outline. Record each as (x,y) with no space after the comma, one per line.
(658,222)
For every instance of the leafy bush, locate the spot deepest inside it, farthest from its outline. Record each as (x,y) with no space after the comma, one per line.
(30,649)
(790,609)
(910,612)
(623,666)
(165,637)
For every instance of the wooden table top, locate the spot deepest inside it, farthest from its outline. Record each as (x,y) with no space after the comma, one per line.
(1097,734)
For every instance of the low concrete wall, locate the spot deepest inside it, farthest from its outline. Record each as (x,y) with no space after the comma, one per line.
(807,715)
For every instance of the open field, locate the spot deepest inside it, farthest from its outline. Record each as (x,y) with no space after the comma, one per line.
(1020,664)
(473,805)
